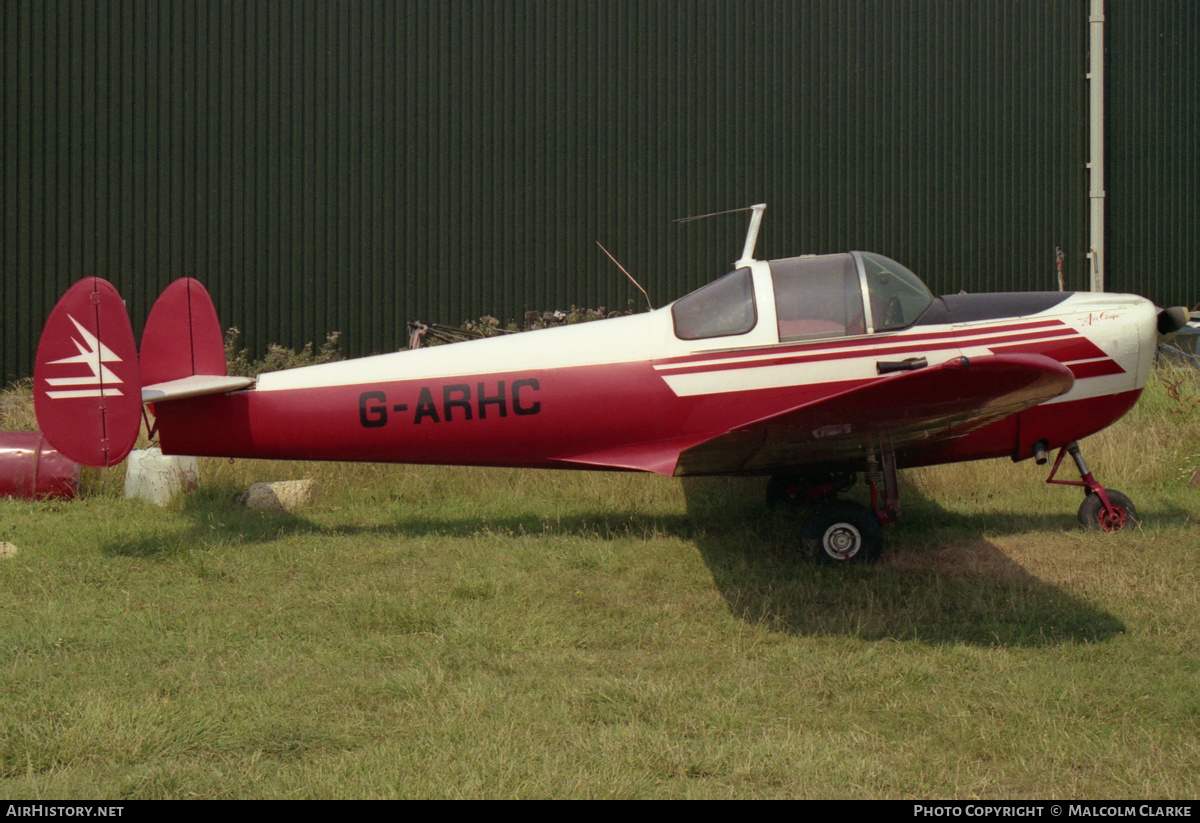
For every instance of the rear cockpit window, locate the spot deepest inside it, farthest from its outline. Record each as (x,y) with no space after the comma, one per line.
(723,307)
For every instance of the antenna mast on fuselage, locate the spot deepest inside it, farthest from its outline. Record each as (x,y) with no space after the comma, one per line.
(751,233)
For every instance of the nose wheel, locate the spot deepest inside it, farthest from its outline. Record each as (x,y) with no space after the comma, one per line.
(1120,513)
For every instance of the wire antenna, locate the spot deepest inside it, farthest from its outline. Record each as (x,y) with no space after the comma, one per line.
(690,218)
(626,273)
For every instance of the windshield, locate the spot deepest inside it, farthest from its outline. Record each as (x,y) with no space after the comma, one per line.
(721,308)
(898,297)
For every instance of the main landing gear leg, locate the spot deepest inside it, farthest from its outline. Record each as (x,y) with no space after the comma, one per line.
(881,471)
(1105,510)
(842,531)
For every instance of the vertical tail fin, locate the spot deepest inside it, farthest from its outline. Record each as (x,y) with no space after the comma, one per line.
(87,387)
(182,337)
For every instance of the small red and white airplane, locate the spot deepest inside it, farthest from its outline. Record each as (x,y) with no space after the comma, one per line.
(810,369)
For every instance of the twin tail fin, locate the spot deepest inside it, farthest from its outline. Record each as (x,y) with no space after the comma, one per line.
(89,381)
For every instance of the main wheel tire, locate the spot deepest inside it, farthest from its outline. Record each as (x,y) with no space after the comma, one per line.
(1093,517)
(840,532)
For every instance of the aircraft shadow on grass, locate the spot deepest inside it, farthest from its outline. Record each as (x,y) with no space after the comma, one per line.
(925,589)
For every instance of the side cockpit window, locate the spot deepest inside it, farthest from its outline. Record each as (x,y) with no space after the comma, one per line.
(721,308)
(817,296)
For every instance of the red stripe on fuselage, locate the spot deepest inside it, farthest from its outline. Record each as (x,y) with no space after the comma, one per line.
(1076,347)
(1070,352)
(1095,368)
(861,347)
(951,337)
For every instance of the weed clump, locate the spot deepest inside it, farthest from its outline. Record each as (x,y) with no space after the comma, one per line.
(278,357)
(435,334)
(16,407)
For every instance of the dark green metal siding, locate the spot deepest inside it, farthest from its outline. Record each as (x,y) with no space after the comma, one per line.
(350,165)
(1153,127)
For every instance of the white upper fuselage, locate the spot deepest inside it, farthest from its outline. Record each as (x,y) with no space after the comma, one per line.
(1120,329)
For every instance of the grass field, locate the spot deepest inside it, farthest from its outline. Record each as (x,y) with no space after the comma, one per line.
(443,632)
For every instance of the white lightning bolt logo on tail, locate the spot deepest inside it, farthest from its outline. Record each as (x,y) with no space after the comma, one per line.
(93,354)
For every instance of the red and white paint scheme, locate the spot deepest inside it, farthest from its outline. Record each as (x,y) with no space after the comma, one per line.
(810,370)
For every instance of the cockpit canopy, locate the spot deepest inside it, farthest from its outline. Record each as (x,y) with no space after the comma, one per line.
(817,296)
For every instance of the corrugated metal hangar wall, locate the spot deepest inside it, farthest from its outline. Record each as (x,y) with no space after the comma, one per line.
(351,165)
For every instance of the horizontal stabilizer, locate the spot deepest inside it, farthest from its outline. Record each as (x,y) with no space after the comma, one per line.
(194,386)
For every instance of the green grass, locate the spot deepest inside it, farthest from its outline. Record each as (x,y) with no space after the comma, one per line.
(442,632)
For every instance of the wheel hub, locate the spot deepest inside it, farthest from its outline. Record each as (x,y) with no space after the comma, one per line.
(1113,522)
(842,541)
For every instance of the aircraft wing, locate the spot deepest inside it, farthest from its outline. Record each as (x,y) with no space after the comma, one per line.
(908,409)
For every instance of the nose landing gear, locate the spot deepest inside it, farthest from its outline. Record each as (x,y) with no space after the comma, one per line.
(1105,510)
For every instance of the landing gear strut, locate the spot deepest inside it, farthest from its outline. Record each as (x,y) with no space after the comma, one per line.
(1105,510)
(842,531)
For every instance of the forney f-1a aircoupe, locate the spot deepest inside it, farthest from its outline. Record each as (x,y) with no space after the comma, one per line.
(810,370)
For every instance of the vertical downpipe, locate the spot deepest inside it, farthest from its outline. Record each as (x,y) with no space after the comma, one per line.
(1095,77)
